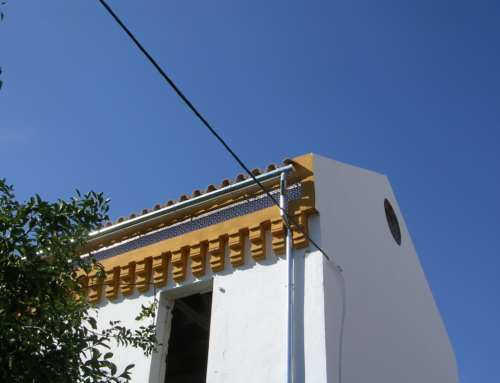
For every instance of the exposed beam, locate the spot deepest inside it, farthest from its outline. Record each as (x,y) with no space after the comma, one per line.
(193,315)
(186,321)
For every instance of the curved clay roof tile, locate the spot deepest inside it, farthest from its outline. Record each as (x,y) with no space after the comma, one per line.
(197,193)
(257,171)
(211,188)
(271,167)
(225,183)
(240,177)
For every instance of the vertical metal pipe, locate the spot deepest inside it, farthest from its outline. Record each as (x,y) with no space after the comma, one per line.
(289,265)
(289,261)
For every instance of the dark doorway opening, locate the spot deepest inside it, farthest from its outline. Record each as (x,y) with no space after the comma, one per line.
(187,353)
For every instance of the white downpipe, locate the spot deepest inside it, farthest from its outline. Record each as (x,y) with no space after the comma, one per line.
(289,265)
(289,261)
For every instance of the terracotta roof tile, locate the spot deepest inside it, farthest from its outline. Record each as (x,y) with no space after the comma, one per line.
(241,177)
(184,197)
(197,193)
(225,183)
(210,188)
(257,172)
(271,167)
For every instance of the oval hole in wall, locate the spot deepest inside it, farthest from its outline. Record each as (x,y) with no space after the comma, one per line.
(392,221)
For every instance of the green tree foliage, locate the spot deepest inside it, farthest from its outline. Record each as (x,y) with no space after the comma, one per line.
(47,333)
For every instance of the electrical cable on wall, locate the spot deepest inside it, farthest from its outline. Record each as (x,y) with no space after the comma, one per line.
(337,269)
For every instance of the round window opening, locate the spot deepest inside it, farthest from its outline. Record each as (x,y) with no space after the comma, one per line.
(392,221)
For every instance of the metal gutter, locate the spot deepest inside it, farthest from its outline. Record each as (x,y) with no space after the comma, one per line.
(196,201)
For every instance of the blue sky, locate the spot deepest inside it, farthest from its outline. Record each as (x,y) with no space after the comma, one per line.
(410,89)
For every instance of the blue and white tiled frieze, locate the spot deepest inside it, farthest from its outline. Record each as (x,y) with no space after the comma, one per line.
(222,214)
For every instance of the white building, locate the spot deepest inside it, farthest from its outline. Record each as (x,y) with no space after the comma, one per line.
(218,263)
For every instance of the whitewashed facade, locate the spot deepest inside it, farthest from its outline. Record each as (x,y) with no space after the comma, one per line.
(229,245)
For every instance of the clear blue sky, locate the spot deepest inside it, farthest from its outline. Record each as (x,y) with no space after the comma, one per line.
(410,89)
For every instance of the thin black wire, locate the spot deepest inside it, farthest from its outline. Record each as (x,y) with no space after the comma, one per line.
(205,122)
(114,284)
(188,103)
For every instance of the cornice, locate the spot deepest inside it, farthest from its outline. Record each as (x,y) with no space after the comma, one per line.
(197,239)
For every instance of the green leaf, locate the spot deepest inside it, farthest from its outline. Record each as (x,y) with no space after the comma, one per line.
(38,312)
(108,355)
(93,323)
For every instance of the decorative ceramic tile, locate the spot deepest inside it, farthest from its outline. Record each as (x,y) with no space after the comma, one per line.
(225,213)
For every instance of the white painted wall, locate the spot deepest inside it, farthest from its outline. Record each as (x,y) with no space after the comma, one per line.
(126,310)
(309,351)
(248,324)
(247,332)
(148,369)
(393,330)
(248,327)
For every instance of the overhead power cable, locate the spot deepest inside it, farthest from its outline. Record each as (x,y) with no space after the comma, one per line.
(247,170)
(205,122)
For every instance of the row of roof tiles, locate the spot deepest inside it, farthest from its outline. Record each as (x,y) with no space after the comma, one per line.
(210,188)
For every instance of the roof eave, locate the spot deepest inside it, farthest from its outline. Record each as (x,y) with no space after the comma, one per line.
(189,204)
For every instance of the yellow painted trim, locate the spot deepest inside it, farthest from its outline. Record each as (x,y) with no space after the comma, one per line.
(111,281)
(140,265)
(127,277)
(95,292)
(217,250)
(160,268)
(179,263)
(143,271)
(257,237)
(211,233)
(198,254)
(236,243)
(278,232)
(304,172)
